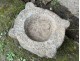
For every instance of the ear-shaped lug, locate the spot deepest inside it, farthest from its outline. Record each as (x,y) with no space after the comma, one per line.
(65,23)
(11,33)
(29,5)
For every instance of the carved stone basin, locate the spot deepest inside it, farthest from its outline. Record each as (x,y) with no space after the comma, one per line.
(39,31)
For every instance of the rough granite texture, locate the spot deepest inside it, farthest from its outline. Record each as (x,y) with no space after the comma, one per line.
(72,5)
(39,28)
(47,48)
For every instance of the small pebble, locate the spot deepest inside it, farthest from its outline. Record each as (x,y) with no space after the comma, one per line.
(50,8)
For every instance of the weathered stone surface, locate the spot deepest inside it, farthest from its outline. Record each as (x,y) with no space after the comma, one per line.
(38,29)
(72,5)
(43,49)
(63,12)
